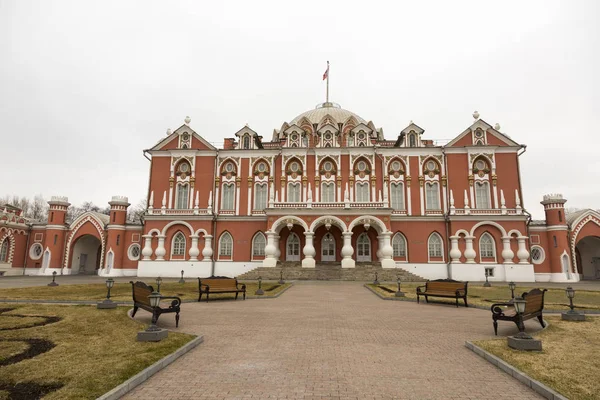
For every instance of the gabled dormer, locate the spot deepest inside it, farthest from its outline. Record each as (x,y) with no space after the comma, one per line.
(248,139)
(183,138)
(480,133)
(360,136)
(410,136)
(295,137)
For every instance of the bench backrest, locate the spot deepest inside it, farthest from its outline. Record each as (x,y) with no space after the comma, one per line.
(140,292)
(534,300)
(446,285)
(219,283)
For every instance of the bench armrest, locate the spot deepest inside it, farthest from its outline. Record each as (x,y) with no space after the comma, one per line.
(419,288)
(205,286)
(496,308)
(460,292)
(176,300)
(243,285)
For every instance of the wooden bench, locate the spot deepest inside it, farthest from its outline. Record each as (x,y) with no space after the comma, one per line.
(141,291)
(220,284)
(444,288)
(533,308)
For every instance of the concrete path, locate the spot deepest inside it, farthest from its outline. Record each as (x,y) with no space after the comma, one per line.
(332,340)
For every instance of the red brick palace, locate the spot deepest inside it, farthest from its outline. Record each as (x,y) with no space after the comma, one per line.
(327,187)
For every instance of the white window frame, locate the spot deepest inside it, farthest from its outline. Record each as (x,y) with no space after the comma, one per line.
(228,189)
(130,252)
(412,140)
(4,250)
(260,196)
(292,239)
(396,250)
(332,193)
(542,255)
(182,202)
(223,251)
(294,192)
(482,195)
(485,253)
(399,189)
(362,192)
(258,249)
(362,240)
(435,250)
(429,190)
(174,243)
(32,251)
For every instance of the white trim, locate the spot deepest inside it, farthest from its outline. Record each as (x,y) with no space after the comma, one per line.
(131,248)
(220,244)
(252,255)
(442,248)
(487,234)
(178,233)
(31,254)
(543,254)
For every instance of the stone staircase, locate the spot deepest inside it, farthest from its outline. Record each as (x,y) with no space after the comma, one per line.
(331,272)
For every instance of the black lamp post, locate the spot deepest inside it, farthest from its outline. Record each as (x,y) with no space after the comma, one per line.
(107,303)
(153,333)
(487,283)
(281,281)
(259,291)
(158,282)
(522,340)
(399,293)
(53,283)
(512,286)
(519,304)
(181,280)
(572,315)
(376,281)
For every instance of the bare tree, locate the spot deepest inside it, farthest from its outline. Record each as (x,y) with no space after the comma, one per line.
(135,213)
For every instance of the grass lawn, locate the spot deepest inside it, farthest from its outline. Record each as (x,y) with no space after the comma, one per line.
(569,362)
(93,350)
(122,291)
(554,299)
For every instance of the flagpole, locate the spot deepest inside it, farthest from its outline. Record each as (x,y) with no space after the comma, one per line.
(327,96)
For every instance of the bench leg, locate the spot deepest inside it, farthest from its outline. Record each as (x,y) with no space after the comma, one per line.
(417,298)
(207,297)
(200,297)
(236,295)
(135,308)
(541,319)
(456,301)
(495,327)
(465,299)
(177,320)
(426,299)
(244,295)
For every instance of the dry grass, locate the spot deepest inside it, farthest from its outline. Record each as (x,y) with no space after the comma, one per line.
(95,350)
(122,291)
(554,299)
(9,349)
(569,362)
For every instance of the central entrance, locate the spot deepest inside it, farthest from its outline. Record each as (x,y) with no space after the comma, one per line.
(292,248)
(363,248)
(328,248)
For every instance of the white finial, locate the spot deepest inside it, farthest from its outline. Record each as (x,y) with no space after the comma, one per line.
(497,127)
(164,199)
(246,125)
(151,201)
(380,197)
(466,200)
(210,200)
(502,200)
(451,198)
(169,131)
(517,198)
(411,122)
(197,202)
(309,194)
(476,114)
(187,120)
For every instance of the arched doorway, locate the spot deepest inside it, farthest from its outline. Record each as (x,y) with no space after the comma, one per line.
(363,248)
(86,255)
(292,252)
(588,257)
(328,248)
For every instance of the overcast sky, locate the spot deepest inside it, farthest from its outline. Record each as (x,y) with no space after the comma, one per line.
(86,86)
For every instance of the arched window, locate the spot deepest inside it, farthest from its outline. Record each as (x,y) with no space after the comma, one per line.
(178,247)
(226,245)
(293,194)
(397,195)
(435,245)
(246,142)
(260,196)
(4,251)
(412,140)
(487,248)
(259,242)
(482,195)
(182,197)
(362,192)
(328,192)
(399,245)
(363,248)
(565,266)
(292,248)
(228,196)
(432,196)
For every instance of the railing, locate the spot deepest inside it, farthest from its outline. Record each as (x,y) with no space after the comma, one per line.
(361,204)
(179,211)
(486,211)
(227,212)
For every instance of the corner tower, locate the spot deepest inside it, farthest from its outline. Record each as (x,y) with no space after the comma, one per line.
(115,242)
(56,231)
(557,232)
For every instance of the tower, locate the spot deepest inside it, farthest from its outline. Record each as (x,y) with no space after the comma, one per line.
(557,233)
(116,238)
(56,231)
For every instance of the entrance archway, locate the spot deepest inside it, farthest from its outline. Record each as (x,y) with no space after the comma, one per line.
(328,248)
(292,248)
(588,257)
(363,248)
(86,255)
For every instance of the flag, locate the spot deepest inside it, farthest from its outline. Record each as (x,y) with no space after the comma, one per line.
(326,74)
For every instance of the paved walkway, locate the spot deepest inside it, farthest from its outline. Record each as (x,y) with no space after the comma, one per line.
(332,340)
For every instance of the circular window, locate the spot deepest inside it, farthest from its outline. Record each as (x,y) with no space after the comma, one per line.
(328,136)
(185,136)
(294,167)
(134,252)
(537,255)
(229,167)
(361,136)
(328,166)
(396,165)
(35,252)
(294,137)
(184,167)
(362,165)
(262,167)
(478,133)
(431,165)
(480,164)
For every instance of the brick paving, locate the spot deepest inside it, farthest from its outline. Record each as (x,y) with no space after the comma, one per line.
(332,340)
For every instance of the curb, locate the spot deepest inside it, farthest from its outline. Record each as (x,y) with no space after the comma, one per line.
(525,379)
(133,382)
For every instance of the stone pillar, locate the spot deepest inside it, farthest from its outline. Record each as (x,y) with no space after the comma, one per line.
(469,251)
(270,251)
(454,250)
(194,252)
(277,249)
(522,252)
(507,253)
(309,251)
(147,250)
(387,261)
(207,251)
(347,251)
(379,247)
(160,250)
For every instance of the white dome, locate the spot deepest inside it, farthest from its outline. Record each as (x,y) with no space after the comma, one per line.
(334,110)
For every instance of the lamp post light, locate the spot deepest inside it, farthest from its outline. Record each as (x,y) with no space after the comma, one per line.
(153,333)
(487,283)
(259,291)
(181,280)
(376,281)
(512,286)
(53,283)
(158,282)
(522,340)
(281,281)
(107,303)
(399,293)
(572,315)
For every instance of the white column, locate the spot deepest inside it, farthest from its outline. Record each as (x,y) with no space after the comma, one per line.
(277,248)
(250,200)
(469,251)
(522,252)
(171,198)
(147,250)
(194,252)
(207,251)
(237,199)
(387,251)
(408,200)
(347,251)
(454,250)
(217,200)
(507,253)
(309,251)
(379,247)
(422,195)
(160,250)
(270,260)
